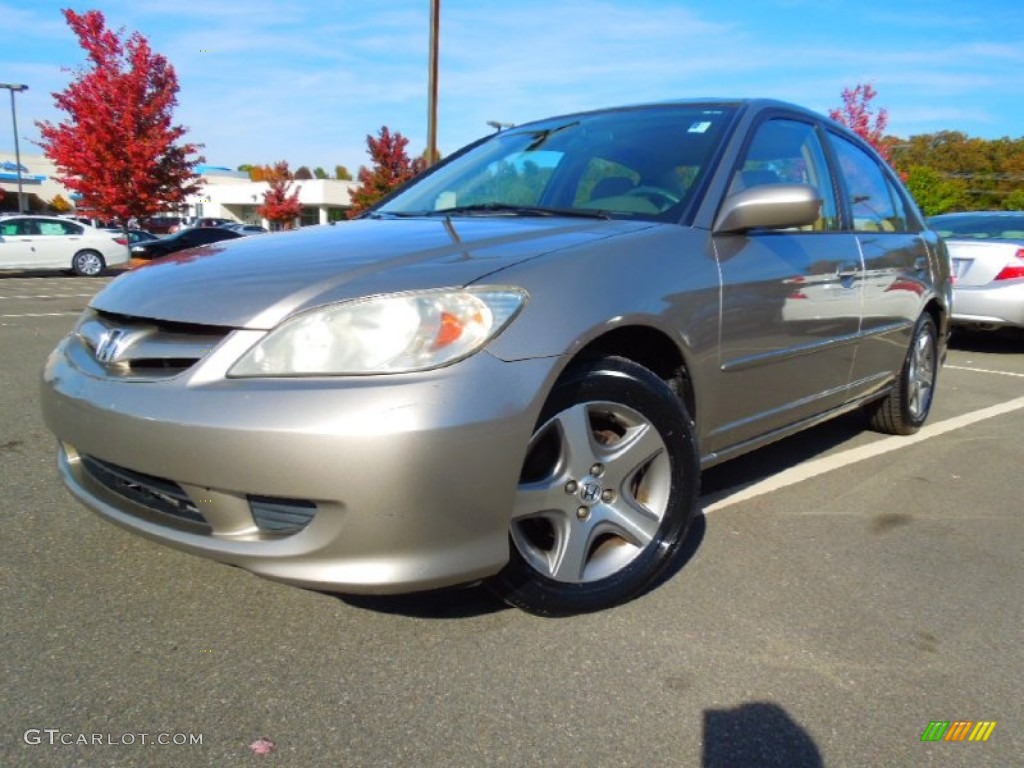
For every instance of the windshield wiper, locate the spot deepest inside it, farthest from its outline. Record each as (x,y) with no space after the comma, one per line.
(542,136)
(393,214)
(508,209)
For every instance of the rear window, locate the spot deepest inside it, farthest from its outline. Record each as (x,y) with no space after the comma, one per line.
(979,226)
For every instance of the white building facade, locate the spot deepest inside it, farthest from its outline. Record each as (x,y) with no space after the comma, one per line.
(38,184)
(225,194)
(229,194)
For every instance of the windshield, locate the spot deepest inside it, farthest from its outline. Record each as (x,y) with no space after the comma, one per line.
(631,163)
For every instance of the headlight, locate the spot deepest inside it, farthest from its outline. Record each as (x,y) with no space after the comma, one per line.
(394,333)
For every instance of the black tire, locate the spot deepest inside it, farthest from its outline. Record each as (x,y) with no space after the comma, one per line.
(606,495)
(905,409)
(88,264)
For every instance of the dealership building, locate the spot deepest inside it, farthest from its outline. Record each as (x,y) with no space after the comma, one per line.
(37,182)
(225,193)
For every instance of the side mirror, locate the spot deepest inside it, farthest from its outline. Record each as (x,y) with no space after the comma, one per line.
(769,206)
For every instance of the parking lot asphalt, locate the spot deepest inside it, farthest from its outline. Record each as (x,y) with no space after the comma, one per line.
(842,591)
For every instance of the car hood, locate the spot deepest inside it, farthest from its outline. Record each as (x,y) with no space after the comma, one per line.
(255,282)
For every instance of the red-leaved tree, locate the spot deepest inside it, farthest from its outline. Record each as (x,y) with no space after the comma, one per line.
(119,148)
(857,115)
(281,204)
(391,168)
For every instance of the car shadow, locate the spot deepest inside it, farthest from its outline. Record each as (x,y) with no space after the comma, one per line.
(1002,341)
(738,473)
(13,274)
(451,603)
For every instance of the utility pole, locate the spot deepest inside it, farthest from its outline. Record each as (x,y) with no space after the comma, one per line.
(435,23)
(12,87)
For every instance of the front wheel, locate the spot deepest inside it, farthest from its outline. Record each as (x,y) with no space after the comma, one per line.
(606,494)
(87,264)
(905,409)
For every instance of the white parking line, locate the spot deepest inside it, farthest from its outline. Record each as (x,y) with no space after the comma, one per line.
(716,501)
(46,314)
(983,370)
(50,296)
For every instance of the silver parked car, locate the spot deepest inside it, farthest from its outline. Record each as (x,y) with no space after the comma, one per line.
(513,369)
(987,251)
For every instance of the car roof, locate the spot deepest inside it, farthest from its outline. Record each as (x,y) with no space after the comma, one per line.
(748,103)
(744,107)
(45,217)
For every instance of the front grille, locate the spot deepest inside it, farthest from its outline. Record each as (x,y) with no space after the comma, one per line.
(154,493)
(272,515)
(141,348)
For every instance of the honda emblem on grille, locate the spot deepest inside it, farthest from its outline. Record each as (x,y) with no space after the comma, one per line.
(110,344)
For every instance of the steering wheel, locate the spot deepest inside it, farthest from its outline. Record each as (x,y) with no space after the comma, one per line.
(659,196)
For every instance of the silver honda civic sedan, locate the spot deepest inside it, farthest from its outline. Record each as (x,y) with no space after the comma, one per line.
(514,369)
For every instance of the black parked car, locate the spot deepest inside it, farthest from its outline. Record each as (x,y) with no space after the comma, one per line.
(135,236)
(180,240)
(245,229)
(162,225)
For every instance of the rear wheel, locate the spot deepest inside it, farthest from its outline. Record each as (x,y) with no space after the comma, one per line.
(87,264)
(905,409)
(606,493)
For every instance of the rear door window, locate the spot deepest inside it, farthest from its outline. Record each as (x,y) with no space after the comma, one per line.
(58,228)
(875,202)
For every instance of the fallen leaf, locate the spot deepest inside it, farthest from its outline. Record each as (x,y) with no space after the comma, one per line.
(262,746)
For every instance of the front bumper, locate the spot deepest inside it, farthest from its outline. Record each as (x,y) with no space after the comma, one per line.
(990,305)
(408,480)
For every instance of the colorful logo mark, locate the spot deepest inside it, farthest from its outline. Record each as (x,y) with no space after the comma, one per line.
(958,730)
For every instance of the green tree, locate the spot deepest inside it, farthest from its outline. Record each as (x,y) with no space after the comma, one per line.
(319,173)
(341,173)
(990,171)
(934,192)
(1015,200)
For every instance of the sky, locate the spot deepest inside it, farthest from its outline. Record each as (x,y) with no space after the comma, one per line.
(306,82)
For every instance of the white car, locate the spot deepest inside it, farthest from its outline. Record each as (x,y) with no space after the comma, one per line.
(49,242)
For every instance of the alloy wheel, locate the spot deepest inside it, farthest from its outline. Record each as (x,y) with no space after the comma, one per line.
(596,486)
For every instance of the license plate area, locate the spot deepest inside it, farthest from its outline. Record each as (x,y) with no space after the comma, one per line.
(961,267)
